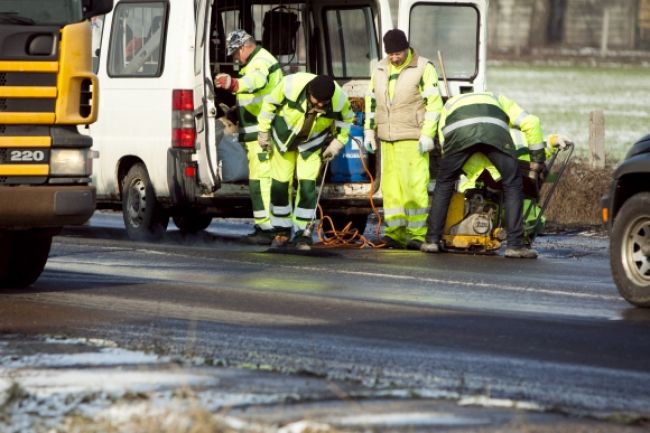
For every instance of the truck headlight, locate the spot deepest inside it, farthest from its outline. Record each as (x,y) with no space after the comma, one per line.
(71,162)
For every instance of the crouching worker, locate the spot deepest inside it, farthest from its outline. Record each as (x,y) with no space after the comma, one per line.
(259,75)
(296,120)
(481,122)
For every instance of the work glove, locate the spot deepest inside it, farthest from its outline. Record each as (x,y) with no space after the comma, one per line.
(369,140)
(539,170)
(332,150)
(425,144)
(226,82)
(264,139)
(559,141)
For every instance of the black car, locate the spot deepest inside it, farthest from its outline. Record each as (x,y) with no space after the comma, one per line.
(626,211)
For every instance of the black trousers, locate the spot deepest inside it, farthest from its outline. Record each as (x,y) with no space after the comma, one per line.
(448,173)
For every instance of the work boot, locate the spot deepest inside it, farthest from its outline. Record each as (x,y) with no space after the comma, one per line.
(260,237)
(430,247)
(390,243)
(520,253)
(280,240)
(301,242)
(414,244)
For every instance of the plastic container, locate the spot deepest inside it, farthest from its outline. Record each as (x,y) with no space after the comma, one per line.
(348,165)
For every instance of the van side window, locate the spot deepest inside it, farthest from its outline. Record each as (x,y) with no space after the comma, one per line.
(278,27)
(137,40)
(352,50)
(453,30)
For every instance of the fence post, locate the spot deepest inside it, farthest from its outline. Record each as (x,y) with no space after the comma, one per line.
(597,139)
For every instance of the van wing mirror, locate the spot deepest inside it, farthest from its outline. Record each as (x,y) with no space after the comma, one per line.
(92,8)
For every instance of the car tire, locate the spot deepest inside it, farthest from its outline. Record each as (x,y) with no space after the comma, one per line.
(629,250)
(144,218)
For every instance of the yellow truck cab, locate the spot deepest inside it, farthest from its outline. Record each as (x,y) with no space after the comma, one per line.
(163,153)
(47,89)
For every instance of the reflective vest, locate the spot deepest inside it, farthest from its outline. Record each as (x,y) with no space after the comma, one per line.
(257,78)
(408,109)
(283,113)
(474,118)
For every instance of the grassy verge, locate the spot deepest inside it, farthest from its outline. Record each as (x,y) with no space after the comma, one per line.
(563,96)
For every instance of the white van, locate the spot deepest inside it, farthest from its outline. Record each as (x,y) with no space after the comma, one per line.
(158,131)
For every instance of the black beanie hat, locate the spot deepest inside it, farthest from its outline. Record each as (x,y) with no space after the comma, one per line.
(322,87)
(394,41)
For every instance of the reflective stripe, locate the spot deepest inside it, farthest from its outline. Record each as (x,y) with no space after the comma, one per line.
(272,100)
(281,211)
(247,82)
(288,85)
(260,214)
(394,211)
(415,212)
(341,102)
(252,128)
(267,116)
(312,143)
(417,224)
(399,222)
(370,94)
(303,213)
(473,121)
(246,102)
(536,146)
(520,118)
(344,125)
(430,92)
(432,115)
(370,115)
(281,222)
(456,99)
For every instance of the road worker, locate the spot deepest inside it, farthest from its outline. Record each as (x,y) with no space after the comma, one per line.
(259,75)
(478,163)
(297,119)
(402,108)
(481,122)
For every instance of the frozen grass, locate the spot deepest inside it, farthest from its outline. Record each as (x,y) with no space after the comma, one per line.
(563,97)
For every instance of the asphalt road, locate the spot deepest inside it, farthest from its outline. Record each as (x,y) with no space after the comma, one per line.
(551,335)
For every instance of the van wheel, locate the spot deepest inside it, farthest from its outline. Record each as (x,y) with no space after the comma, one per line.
(629,250)
(192,221)
(23,255)
(144,217)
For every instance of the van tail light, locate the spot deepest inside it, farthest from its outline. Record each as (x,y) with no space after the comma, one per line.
(183,127)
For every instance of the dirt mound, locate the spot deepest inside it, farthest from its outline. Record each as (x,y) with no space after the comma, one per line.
(576,201)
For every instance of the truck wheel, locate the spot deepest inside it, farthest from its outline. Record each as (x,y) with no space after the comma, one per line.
(23,255)
(629,250)
(192,222)
(144,217)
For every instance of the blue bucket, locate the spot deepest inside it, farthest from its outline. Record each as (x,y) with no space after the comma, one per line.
(348,165)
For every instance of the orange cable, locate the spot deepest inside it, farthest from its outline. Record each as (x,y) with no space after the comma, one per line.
(348,236)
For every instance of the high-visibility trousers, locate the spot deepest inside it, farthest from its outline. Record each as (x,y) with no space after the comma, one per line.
(259,184)
(284,216)
(404,182)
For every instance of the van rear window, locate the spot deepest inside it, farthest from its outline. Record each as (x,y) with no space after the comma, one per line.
(137,40)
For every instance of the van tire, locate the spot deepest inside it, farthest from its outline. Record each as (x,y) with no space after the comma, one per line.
(192,221)
(144,218)
(23,255)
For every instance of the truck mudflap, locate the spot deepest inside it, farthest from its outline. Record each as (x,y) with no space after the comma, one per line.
(45,205)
